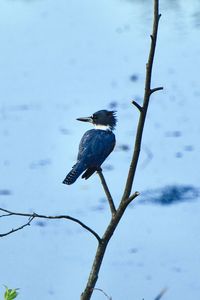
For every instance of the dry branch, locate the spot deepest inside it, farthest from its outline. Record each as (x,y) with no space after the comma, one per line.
(143,110)
(18,228)
(126,198)
(35,215)
(107,192)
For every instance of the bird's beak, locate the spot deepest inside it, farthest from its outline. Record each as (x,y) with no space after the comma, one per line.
(87,119)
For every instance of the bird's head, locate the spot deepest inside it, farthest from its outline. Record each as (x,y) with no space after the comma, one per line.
(102,119)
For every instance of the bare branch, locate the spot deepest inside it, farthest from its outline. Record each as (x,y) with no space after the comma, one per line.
(100,290)
(101,248)
(156,89)
(143,112)
(159,296)
(126,198)
(18,228)
(107,192)
(137,105)
(35,215)
(5,215)
(132,197)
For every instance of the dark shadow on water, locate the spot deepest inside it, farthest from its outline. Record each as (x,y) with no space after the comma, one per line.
(113,105)
(123,147)
(41,223)
(5,192)
(40,163)
(134,77)
(170,194)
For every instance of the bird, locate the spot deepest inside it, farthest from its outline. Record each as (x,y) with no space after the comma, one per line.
(95,145)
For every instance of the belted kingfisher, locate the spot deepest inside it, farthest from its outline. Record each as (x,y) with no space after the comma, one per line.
(95,145)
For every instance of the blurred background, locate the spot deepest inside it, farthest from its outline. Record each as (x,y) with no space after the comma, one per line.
(60,60)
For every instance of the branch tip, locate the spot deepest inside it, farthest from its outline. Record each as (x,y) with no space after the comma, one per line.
(140,108)
(132,197)
(100,290)
(156,89)
(162,292)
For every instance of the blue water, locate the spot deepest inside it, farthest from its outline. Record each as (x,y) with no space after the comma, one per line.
(60,60)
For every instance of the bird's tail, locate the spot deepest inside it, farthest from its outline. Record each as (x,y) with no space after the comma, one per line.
(73,174)
(89,172)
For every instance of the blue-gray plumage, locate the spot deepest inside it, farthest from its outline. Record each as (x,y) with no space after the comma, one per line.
(95,145)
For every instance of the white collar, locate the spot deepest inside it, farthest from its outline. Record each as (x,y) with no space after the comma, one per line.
(102,127)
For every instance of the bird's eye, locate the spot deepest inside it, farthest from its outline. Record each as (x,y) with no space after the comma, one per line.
(94,117)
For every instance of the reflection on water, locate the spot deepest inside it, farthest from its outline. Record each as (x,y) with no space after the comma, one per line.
(196,18)
(176,6)
(182,9)
(171,194)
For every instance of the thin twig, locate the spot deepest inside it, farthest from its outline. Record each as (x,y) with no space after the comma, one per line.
(162,292)
(35,215)
(137,105)
(156,89)
(18,228)
(6,215)
(100,290)
(107,192)
(132,197)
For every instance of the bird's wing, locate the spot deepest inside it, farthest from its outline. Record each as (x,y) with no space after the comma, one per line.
(95,146)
